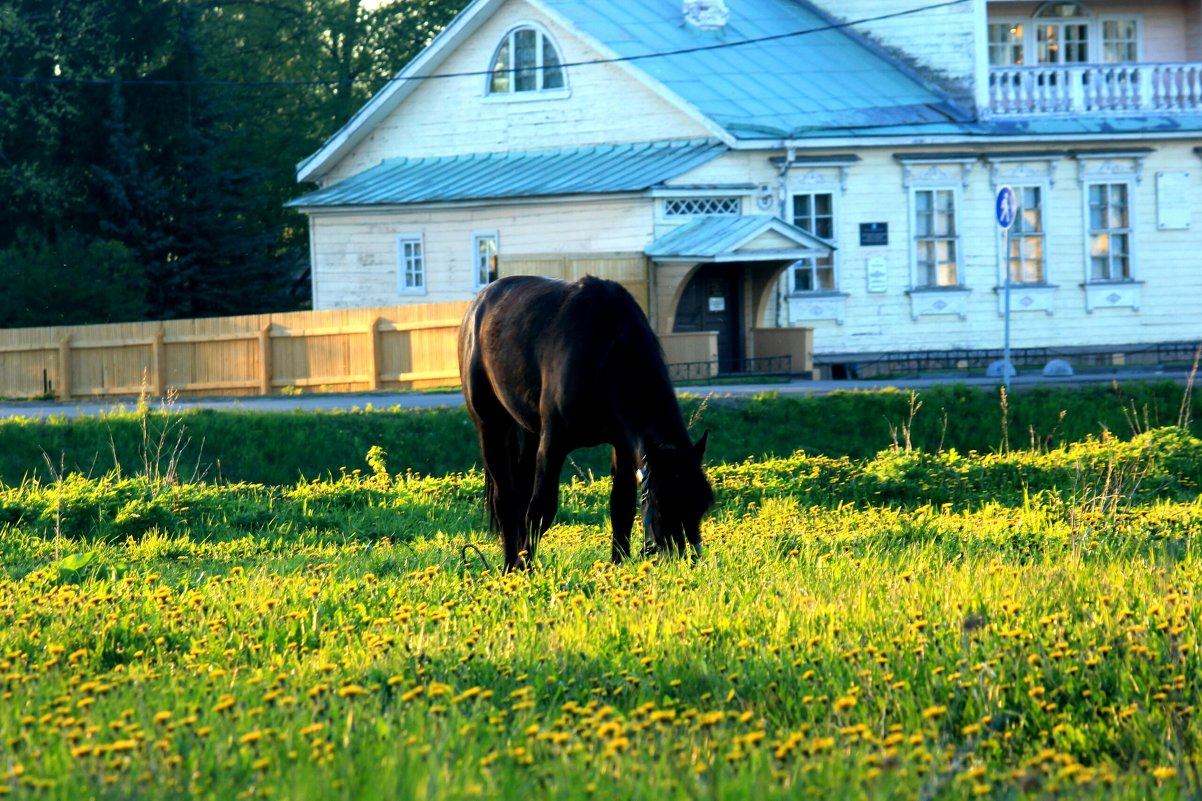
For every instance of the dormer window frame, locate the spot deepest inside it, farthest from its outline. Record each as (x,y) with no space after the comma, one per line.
(507,49)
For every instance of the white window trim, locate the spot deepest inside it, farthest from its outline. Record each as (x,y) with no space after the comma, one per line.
(1044,193)
(1028,297)
(736,198)
(958,210)
(1139,35)
(537,94)
(476,237)
(834,241)
(1132,227)
(935,299)
(1010,22)
(401,274)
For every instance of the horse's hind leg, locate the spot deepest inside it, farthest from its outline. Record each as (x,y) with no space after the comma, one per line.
(544,500)
(526,444)
(501,460)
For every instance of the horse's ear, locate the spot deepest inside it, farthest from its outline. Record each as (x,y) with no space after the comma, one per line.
(699,447)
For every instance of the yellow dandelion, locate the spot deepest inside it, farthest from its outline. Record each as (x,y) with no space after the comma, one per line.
(351,691)
(932,712)
(1163,773)
(251,737)
(224,703)
(844,703)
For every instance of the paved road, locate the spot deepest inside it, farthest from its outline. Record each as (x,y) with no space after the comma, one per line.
(423,400)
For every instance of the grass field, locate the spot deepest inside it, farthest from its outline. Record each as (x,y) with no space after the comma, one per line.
(912,625)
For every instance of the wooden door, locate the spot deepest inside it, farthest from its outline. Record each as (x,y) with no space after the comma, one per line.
(712,301)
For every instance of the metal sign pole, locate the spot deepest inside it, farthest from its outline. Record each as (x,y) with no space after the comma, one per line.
(1006,335)
(1005,209)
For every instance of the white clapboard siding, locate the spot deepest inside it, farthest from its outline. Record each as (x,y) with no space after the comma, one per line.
(1165,263)
(355,255)
(939,39)
(453,116)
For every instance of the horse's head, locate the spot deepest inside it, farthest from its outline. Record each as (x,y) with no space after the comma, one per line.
(676,495)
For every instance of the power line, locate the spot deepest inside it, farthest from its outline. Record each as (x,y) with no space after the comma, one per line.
(160,82)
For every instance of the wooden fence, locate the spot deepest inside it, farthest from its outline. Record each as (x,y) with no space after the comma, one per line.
(398,347)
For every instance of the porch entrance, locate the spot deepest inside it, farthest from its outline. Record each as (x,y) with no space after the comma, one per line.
(712,300)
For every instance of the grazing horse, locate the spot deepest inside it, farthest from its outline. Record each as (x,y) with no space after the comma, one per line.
(550,366)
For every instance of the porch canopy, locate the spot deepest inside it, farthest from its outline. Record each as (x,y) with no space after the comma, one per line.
(750,238)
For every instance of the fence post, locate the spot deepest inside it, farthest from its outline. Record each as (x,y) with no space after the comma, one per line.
(158,358)
(265,360)
(373,349)
(64,367)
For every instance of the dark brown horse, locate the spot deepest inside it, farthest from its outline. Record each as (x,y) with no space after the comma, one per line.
(550,366)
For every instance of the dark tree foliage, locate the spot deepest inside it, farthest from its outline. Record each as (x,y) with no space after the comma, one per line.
(147,146)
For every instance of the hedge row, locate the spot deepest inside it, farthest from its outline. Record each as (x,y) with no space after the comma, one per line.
(282,448)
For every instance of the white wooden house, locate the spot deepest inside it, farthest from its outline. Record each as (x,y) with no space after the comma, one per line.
(763,169)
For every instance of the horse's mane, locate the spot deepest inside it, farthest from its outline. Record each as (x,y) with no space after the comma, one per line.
(631,346)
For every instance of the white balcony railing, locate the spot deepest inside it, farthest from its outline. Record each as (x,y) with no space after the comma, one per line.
(1052,89)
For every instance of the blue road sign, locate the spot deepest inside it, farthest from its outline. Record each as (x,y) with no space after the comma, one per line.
(1005,207)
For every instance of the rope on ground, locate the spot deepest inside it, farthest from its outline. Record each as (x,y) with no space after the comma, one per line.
(476,548)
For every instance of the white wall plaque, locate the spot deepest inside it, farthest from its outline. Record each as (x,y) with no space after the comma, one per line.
(878,274)
(1173,205)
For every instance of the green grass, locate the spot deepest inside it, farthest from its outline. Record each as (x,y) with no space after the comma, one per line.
(274,448)
(910,625)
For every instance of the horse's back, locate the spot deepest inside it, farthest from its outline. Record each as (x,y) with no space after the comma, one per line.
(524,333)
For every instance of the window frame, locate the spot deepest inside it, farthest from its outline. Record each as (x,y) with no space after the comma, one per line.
(477,238)
(735,202)
(955,238)
(1015,234)
(405,266)
(1135,19)
(1127,230)
(811,263)
(1020,43)
(542,39)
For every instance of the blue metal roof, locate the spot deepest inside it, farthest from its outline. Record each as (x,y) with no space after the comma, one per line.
(787,87)
(581,170)
(713,238)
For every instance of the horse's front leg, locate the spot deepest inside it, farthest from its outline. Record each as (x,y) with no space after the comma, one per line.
(544,500)
(622,499)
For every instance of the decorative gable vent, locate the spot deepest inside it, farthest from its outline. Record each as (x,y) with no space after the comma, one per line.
(708,15)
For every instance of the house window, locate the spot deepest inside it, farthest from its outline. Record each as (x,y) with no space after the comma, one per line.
(526,61)
(1120,41)
(814,213)
(1062,34)
(702,207)
(1026,257)
(1109,232)
(935,238)
(1005,44)
(411,264)
(484,259)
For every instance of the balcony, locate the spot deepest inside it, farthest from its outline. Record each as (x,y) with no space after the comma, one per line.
(1023,91)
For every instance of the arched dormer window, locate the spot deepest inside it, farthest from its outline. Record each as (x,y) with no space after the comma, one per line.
(526,61)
